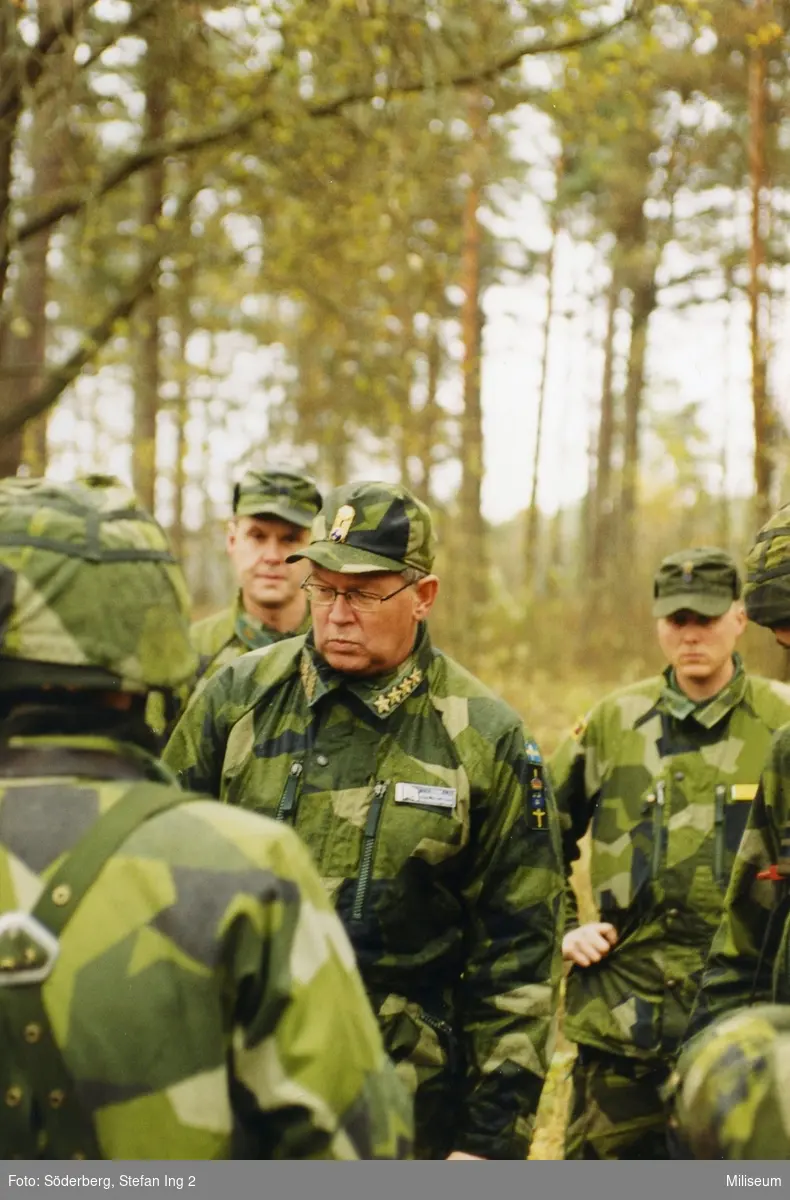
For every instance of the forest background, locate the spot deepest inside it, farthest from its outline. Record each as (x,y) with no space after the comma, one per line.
(281,231)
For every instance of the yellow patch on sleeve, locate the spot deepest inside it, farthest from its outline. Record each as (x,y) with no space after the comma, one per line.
(579,728)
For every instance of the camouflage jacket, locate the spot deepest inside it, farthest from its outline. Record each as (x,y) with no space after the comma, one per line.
(204,998)
(230,633)
(426,814)
(750,956)
(665,787)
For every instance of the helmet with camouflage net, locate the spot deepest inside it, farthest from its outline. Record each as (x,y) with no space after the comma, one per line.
(730,1085)
(766,592)
(90,594)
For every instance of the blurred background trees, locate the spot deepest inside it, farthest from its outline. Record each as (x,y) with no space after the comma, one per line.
(277,230)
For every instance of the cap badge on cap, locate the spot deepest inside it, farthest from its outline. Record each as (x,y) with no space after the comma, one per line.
(344,519)
(688,571)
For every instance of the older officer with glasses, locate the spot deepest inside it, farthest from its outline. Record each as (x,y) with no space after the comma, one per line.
(423,803)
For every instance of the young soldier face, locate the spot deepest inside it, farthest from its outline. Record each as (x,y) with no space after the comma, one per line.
(700,648)
(782,635)
(368,643)
(257,548)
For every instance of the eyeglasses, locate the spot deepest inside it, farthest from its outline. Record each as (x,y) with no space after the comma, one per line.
(323,596)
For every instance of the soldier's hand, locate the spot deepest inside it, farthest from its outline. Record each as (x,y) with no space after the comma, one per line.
(589,943)
(462,1156)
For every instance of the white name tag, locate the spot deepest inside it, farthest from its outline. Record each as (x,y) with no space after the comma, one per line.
(424,795)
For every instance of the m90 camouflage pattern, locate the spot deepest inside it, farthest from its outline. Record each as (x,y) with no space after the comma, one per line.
(173,981)
(417,796)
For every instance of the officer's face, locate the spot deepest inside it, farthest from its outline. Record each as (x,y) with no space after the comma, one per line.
(258,548)
(701,648)
(367,643)
(782,635)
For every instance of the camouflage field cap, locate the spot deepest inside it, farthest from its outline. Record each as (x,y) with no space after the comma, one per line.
(371,526)
(277,492)
(704,580)
(766,592)
(88,586)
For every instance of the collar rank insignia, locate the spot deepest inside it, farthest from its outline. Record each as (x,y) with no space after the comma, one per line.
(309,676)
(344,519)
(387,701)
(688,571)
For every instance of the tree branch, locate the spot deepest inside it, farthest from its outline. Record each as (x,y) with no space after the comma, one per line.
(224,131)
(17,413)
(32,65)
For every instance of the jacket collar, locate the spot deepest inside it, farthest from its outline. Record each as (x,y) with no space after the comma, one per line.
(705,712)
(252,632)
(381,694)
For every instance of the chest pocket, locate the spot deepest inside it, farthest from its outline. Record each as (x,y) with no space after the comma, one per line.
(411,830)
(733,805)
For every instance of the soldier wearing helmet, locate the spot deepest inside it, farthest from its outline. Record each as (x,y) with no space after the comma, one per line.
(273,510)
(662,773)
(749,959)
(730,1088)
(424,805)
(161,955)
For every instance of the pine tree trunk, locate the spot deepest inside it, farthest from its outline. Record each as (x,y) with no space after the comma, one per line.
(643,303)
(533,515)
(11,444)
(429,417)
(602,508)
(184,330)
(9,15)
(764,430)
(471,518)
(146,322)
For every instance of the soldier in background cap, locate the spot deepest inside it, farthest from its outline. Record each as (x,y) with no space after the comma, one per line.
(273,510)
(424,806)
(663,772)
(750,956)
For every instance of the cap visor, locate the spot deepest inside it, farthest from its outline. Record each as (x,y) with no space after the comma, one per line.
(705,606)
(249,508)
(347,560)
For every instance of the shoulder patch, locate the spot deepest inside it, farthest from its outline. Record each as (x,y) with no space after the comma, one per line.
(579,728)
(536,787)
(533,753)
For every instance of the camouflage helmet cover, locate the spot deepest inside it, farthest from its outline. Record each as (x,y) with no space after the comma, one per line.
(766,593)
(371,526)
(730,1086)
(90,584)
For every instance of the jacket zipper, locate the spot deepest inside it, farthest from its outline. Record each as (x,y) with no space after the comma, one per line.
(719,811)
(442,1027)
(366,862)
(286,809)
(658,829)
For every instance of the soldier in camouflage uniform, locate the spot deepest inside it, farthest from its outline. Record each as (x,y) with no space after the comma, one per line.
(273,510)
(750,956)
(173,981)
(662,773)
(424,806)
(731,1087)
